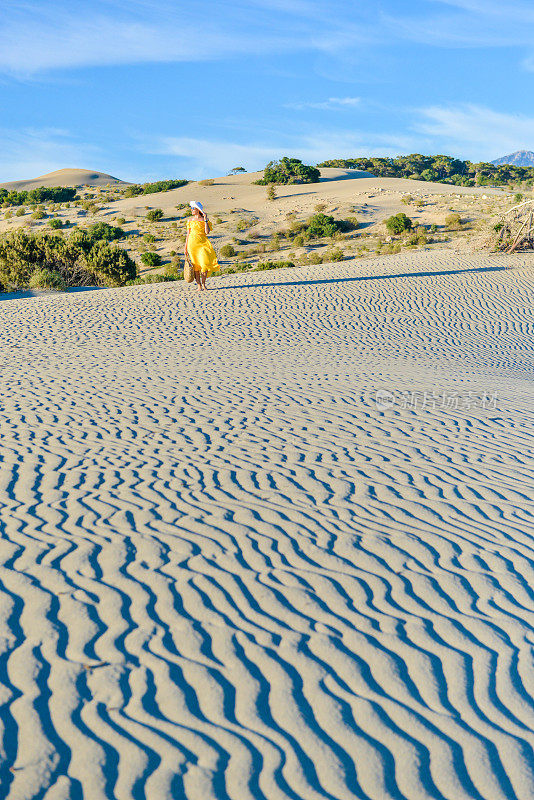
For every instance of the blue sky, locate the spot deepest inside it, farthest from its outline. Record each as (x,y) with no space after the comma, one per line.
(146,89)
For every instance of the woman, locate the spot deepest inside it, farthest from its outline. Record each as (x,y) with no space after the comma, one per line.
(198,247)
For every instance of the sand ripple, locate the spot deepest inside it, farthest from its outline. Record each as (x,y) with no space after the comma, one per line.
(226,574)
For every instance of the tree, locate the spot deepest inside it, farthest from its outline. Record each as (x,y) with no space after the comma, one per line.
(236,170)
(321,225)
(289,170)
(399,223)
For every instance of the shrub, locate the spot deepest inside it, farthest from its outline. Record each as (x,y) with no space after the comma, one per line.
(334,255)
(518,197)
(112,266)
(121,220)
(433,228)
(271,192)
(20,212)
(406,200)
(242,225)
(228,251)
(453,221)
(154,215)
(320,207)
(104,231)
(206,182)
(38,214)
(149,237)
(47,279)
(150,188)
(56,223)
(321,225)
(399,223)
(8,215)
(151,259)
(351,224)
(289,170)
(174,270)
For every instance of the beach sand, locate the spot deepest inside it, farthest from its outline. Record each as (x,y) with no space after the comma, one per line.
(228,572)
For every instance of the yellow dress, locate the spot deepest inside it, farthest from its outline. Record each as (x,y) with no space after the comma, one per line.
(199,247)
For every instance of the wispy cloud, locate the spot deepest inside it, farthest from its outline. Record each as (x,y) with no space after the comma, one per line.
(331,104)
(201,157)
(31,152)
(36,36)
(465,129)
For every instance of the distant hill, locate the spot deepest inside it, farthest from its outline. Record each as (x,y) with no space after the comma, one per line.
(522,158)
(65,177)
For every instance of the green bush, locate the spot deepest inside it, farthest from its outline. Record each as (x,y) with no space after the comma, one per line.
(228,251)
(121,220)
(289,170)
(154,215)
(104,231)
(75,258)
(112,266)
(151,188)
(47,279)
(55,194)
(20,212)
(321,225)
(56,223)
(151,259)
(149,237)
(38,214)
(399,223)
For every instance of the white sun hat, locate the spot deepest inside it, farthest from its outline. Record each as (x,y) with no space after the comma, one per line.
(196,204)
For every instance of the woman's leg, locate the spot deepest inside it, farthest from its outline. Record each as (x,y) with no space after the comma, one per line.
(197,278)
(203,277)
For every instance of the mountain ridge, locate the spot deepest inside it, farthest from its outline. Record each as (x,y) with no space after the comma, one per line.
(521,158)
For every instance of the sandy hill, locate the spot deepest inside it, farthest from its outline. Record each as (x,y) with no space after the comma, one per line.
(65,177)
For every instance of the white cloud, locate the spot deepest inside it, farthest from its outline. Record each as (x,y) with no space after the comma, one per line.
(326,105)
(476,131)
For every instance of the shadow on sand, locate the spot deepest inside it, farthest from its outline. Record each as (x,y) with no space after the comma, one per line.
(45,292)
(364,278)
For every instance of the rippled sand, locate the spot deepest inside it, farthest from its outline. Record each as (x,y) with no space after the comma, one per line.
(227,573)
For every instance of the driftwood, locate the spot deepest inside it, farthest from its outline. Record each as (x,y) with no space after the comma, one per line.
(516,228)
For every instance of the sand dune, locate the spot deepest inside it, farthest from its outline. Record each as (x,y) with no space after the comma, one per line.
(226,573)
(65,177)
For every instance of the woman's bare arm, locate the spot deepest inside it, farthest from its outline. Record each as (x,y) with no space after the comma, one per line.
(206,224)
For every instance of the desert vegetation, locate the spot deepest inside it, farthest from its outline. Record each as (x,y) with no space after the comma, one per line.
(136,189)
(289,170)
(56,194)
(441,169)
(78,260)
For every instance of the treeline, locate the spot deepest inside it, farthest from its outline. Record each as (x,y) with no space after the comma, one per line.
(151,188)
(42,194)
(441,169)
